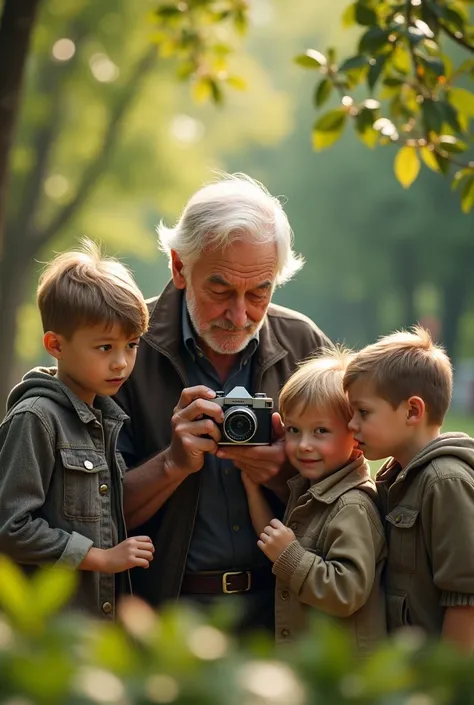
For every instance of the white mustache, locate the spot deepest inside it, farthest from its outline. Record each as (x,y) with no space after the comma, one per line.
(227,325)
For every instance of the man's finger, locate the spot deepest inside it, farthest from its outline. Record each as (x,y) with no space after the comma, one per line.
(201,407)
(202,427)
(189,394)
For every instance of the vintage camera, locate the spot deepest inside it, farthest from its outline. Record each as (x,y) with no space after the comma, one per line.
(247,419)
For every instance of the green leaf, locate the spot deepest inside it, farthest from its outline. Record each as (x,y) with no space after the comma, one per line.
(400,60)
(429,159)
(364,127)
(53,587)
(323,92)
(433,65)
(376,68)
(354,62)
(348,16)
(467,195)
(463,100)
(16,596)
(329,128)
(451,144)
(373,40)
(237,82)
(201,89)
(311,59)
(460,177)
(432,116)
(365,15)
(407,166)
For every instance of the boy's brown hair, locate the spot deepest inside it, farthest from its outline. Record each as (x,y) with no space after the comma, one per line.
(82,288)
(406,364)
(317,384)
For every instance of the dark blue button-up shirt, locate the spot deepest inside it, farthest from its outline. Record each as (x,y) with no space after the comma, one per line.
(223,536)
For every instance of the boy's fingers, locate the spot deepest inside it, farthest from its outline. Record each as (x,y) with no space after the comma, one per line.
(276,523)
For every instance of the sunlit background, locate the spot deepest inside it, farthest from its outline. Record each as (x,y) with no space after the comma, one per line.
(116,123)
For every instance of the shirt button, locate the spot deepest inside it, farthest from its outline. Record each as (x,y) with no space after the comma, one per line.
(285,633)
(398,518)
(285,594)
(103,489)
(88,464)
(107,608)
(236,527)
(227,471)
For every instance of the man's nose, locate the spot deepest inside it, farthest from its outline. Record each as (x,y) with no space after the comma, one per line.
(238,313)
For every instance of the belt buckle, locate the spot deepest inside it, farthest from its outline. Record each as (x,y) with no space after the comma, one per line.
(226,590)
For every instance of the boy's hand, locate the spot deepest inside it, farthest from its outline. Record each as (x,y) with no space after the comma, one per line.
(249,484)
(274,539)
(136,551)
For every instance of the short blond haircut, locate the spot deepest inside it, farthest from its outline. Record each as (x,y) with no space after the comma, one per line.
(317,384)
(406,364)
(82,288)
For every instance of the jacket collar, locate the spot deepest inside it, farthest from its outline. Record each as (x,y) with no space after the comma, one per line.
(165,329)
(105,405)
(352,475)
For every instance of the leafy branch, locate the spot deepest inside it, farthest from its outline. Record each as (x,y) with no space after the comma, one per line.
(417,101)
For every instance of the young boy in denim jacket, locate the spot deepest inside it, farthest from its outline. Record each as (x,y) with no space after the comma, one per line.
(60,473)
(329,552)
(400,389)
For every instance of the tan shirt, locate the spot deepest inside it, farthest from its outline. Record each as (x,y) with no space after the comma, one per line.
(335,565)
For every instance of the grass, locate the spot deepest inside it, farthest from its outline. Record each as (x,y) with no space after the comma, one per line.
(454,421)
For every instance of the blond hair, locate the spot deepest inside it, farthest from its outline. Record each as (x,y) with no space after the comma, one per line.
(317,384)
(406,364)
(82,288)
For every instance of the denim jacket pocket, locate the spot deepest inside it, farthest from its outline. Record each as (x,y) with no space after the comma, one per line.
(402,538)
(82,499)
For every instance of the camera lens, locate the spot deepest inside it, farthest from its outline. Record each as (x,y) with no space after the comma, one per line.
(240,424)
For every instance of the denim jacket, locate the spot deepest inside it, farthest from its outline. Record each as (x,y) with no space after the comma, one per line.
(61,483)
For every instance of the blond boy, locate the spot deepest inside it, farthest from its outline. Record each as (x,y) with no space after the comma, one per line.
(60,473)
(329,552)
(400,389)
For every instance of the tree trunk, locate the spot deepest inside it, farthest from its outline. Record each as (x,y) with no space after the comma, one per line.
(16,26)
(406,277)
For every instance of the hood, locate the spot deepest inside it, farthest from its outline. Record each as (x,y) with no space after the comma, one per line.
(458,445)
(43,382)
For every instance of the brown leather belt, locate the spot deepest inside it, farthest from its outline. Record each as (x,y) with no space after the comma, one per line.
(227,582)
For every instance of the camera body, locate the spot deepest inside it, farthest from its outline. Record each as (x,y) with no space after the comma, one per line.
(247,420)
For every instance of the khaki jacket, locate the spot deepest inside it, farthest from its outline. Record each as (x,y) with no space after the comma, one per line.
(429,513)
(149,397)
(335,565)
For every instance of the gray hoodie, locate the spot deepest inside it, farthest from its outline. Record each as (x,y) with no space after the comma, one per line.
(61,481)
(429,511)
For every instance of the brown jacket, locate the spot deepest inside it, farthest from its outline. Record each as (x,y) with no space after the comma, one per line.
(335,565)
(429,512)
(151,393)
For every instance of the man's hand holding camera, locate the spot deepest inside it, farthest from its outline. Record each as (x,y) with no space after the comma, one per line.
(194,430)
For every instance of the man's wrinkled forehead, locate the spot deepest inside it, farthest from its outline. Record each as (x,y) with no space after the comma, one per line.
(220,280)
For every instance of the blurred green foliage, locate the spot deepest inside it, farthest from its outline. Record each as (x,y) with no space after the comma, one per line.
(54,657)
(403,59)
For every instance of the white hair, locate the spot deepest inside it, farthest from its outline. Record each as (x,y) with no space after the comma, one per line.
(234,208)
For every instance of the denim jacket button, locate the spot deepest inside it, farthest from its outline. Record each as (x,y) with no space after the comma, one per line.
(88,464)
(103,489)
(107,608)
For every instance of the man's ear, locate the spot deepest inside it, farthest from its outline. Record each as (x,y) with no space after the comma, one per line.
(177,270)
(53,344)
(415,410)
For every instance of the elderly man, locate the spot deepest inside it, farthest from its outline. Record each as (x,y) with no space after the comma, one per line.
(212,328)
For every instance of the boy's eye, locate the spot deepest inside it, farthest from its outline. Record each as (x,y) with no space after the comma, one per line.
(105,348)
(133,344)
(363,412)
(321,430)
(291,429)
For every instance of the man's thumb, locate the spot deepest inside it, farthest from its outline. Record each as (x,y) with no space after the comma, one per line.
(277,425)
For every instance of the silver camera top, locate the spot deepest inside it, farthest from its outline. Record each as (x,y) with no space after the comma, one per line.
(239,395)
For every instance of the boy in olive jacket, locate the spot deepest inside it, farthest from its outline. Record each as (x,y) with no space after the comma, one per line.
(60,473)
(330,551)
(400,389)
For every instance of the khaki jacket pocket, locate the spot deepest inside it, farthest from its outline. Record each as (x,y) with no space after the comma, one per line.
(402,538)
(82,499)
(397,610)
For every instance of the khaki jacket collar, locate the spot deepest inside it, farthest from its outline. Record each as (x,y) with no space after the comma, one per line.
(165,329)
(354,474)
